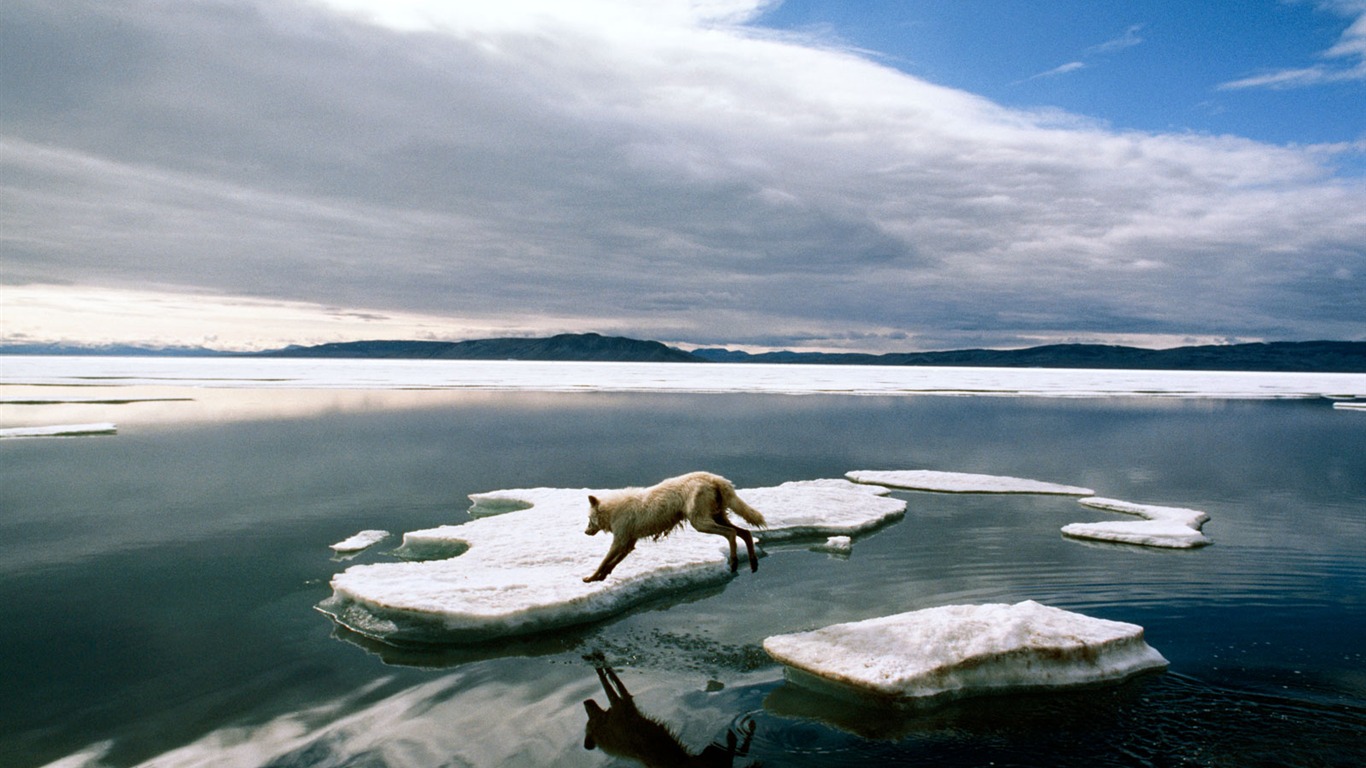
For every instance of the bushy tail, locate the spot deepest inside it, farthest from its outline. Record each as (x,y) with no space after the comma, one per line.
(734,502)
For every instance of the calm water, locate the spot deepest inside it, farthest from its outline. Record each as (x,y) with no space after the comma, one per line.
(159,585)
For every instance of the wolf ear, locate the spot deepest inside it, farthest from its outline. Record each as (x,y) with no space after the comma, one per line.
(593,501)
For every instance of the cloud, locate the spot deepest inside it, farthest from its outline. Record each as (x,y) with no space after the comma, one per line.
(1345,61)
(1128,39)
(670,173)
(1071,66)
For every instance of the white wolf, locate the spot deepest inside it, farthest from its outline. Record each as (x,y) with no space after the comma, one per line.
(700,498)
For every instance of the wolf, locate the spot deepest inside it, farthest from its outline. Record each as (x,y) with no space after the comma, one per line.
(699,498)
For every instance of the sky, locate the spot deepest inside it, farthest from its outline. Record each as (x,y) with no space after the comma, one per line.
(809,174)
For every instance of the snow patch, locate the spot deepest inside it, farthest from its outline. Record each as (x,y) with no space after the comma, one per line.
(61,430)
(961,482)
(957,651)
(522,571)
(1173,527)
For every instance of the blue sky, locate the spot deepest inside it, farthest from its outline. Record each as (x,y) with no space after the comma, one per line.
(1149,65)
(809,174)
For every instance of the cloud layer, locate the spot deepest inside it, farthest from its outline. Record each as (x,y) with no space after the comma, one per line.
(673,173)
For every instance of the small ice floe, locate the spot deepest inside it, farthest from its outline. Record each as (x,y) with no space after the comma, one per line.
(961,482)
(1351,405)
(360,541)
(957,651)
(1174,527)
(836,545)
(522,571)
(61,430)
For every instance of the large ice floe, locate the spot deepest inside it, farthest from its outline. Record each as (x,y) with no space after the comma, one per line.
(519,568)
(961,482)
(1175,527)
(956,651)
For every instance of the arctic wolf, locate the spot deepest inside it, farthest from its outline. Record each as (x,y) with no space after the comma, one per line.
(700,498)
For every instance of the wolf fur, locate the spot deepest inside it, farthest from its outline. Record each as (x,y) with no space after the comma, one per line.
(699,498)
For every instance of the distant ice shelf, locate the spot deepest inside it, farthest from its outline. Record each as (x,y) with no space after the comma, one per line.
(61,430)
(1172,527)
(962,482)
(500,375)
(521,571)
(957,651)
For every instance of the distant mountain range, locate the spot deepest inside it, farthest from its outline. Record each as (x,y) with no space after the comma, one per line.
(1305,356)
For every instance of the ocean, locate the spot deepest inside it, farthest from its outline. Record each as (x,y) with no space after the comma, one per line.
(160,582)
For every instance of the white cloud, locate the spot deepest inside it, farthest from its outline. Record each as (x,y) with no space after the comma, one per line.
(673,175)
(1345,61)
(1128,39)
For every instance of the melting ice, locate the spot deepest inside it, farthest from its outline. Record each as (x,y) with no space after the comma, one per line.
(521,571)
(956,651)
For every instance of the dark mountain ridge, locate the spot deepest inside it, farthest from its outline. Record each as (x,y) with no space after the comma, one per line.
(565,346)
(1285,356)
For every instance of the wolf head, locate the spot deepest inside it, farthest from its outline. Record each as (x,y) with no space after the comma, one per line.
(597,519)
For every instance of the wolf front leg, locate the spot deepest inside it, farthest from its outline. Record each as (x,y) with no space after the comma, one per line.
(615,554)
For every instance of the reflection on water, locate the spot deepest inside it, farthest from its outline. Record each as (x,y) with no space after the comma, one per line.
(622,730)
(159,585)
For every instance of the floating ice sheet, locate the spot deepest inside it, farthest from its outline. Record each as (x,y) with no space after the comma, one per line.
(522,571)
(961,482)
(1351,405)
(61,430)
(963,650)
(1174,527)
(360,541)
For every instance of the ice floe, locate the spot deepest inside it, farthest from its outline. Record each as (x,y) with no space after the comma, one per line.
(837,545)
(522,571)
(1351,405)
(957,651)
(961,482)
(360,541)
(1175,527)
(61,430)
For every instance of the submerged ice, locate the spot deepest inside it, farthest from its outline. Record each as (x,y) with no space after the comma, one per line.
(520,571)
(961,482)
(61,430)
(957,651)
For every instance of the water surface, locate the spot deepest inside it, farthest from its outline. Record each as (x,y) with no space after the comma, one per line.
(159,584)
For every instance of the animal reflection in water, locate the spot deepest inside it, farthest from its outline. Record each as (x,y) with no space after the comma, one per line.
(624,731)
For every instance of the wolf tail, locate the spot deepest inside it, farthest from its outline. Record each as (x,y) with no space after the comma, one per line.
(734,502)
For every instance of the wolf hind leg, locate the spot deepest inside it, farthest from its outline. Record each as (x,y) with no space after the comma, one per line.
(718,525)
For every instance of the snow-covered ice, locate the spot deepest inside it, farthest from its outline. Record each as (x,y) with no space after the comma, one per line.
(61,430)
(1175,527)
(522,571)
(963,650)
(360,541)
(560,376)
(961,482)
(1351,405)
